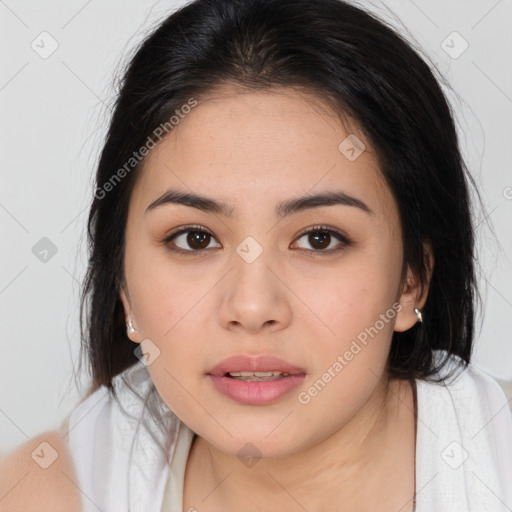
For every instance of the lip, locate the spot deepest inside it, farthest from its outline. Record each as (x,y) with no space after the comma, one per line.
(262,363)
(255,392)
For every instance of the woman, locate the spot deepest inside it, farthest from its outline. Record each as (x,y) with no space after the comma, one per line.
(279,305)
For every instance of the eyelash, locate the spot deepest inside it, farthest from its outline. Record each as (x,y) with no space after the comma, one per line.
(343,239)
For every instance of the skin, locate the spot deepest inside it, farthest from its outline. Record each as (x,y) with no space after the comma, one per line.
(33,487)
(353,444)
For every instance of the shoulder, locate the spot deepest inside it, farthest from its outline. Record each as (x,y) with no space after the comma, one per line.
(464,437)
(470,389)
(459,377)
(38,476)
(480,381)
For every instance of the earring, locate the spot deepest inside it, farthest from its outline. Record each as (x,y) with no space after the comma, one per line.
(419,316)
(129,326)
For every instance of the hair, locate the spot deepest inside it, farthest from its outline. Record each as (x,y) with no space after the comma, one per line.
(364,71)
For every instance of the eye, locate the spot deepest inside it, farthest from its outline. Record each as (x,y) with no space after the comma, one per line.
(195,237)
(321,237)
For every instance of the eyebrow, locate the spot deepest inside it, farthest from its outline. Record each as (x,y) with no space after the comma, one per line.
(282,209)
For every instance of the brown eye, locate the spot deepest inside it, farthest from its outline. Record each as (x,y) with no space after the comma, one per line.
(194,240)
(189,240)
(197,239)
(321,237)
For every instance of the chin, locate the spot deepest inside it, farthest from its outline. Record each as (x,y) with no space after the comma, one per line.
(254,445)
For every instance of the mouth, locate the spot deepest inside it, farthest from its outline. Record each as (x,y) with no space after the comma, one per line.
(255,381)
(257,376)
(249,367)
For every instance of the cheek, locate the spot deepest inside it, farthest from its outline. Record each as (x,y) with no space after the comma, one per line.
(353,296)
(178,391)
(170,307)
(350,360)
(166,297)
(357,315)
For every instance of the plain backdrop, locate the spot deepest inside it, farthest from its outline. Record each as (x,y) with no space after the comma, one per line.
(54,113)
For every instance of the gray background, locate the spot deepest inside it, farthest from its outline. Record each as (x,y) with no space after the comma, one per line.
(54,115)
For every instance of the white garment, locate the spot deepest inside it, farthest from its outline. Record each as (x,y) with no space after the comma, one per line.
(463,447)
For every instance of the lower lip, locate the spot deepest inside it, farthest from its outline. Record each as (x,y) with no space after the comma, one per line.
(256,392)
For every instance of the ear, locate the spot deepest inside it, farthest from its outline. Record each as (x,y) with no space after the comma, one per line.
(413,295)
(128,314)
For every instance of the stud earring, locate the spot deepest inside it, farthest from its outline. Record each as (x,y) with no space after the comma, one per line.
(129,327)
(419,316)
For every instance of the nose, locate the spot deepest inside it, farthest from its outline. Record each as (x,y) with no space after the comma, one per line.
(255,297)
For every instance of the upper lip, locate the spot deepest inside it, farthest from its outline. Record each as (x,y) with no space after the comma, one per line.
(262,363)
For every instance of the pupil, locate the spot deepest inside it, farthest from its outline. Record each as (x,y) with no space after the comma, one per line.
(323,235)
(196,237)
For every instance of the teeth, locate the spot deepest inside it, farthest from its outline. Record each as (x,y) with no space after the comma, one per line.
(258,375)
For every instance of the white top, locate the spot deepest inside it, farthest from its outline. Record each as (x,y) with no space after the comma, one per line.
(463,446)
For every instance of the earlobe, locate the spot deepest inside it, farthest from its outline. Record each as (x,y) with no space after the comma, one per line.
(407,317)
(414,295)
(131,329)
(129,326)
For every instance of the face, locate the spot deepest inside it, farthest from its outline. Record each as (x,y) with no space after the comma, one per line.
(318,286)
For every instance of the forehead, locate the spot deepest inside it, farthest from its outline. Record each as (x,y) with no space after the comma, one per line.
(241,147)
